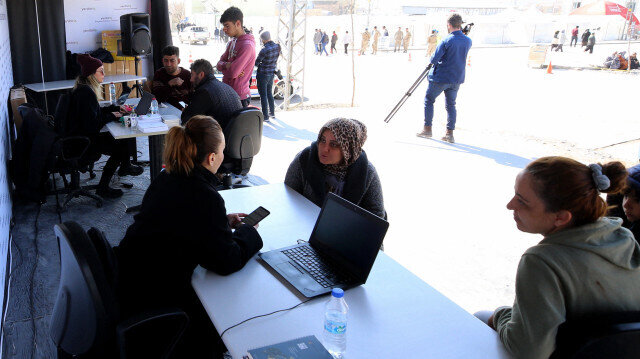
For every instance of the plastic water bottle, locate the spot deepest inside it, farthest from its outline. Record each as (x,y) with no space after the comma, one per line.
(112,93)
(154,106)
(335,324)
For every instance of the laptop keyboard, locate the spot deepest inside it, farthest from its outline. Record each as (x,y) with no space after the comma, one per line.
(308,259)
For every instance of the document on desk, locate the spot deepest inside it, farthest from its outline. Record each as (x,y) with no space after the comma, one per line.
(151,123)
(308,347)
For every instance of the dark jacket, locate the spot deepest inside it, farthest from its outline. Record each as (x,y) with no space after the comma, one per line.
(85,116)
(182,223)
(362,185)
(213,98)
(172,94)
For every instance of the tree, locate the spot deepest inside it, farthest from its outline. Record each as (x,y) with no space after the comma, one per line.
(176,12)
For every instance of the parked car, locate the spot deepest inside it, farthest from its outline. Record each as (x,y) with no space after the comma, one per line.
(279,86)
(193,34)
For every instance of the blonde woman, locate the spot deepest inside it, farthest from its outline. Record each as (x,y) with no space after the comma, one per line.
(86,118)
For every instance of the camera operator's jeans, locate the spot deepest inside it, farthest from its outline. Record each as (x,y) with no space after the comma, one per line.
(265,89)
(450,93)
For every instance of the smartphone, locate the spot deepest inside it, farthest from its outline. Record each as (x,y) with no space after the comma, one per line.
(256,216)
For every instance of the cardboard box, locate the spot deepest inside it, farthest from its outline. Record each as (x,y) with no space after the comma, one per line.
(18,97)
(111,41)
(109,69)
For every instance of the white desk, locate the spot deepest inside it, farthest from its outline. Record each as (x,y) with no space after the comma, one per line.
(394,315)
(156,139)
(67,84)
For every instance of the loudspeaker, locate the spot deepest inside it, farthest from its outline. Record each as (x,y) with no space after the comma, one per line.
(136,37)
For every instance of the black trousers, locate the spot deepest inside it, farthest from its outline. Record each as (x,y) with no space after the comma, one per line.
(346,49)
(119,152)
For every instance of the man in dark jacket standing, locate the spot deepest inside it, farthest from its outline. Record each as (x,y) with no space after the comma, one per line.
(334,39)
(446,75)
(211,97)
(266,63)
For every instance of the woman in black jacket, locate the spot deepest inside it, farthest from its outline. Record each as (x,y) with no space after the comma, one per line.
(183,223)
(336,163)
(85,117)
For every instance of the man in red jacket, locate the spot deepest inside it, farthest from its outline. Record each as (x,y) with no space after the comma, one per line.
(236,63)
(574,37)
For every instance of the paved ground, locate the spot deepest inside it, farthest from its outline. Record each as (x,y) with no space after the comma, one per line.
(446,203)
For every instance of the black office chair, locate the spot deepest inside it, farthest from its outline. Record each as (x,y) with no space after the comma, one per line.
(613,335)
(73,158)
(243,138)
(86,322)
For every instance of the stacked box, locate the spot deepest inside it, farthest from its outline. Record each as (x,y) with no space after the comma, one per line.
(111,41)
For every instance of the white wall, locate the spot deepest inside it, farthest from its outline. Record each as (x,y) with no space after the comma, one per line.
(85,20)
(6,81)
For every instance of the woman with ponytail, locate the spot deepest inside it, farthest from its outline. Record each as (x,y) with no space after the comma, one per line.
(586,264)
(183,223)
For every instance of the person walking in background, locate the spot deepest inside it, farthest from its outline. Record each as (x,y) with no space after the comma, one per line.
(574,37)
(585,37)
(376,37)
(591,43)
(334,39)
(324,42)
(236,63)
(266,63)
(385,32)
(347,41)
(554,42)
(398,40)
(561,39)
(446,75)
(406,40)
(432,42)
(365,41)
(317,39)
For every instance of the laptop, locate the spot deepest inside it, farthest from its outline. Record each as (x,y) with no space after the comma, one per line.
(340,253)
(144,104)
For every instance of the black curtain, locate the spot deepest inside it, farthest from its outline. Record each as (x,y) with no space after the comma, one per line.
(160,29)
(23,34)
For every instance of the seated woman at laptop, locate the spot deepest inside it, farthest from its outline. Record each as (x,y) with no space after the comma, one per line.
(86,118)
(183,223)
(336,163)
(585,264)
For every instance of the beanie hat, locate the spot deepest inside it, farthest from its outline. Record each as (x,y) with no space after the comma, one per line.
(88,64)
(265,36)
(633,179)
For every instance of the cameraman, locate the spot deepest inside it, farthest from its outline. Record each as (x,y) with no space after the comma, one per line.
(446,75)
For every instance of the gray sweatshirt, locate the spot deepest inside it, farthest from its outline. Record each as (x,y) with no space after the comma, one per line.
(581,270)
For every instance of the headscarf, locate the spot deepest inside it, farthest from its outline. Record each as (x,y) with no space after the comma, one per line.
(350,135)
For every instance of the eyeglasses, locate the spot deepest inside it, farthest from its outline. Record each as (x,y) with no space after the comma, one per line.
(100,71)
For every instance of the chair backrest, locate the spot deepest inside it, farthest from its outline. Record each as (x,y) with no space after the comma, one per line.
(611,335)
(243,137)
(84,312)
(61,115)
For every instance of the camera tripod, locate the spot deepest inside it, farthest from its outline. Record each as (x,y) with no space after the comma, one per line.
(408,93)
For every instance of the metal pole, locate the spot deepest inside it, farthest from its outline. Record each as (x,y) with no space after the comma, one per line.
(629,33)
(46,104)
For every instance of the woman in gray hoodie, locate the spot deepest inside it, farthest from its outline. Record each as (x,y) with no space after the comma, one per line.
(586,264)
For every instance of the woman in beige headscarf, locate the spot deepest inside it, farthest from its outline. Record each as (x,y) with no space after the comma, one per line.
(336,163)
(432,42)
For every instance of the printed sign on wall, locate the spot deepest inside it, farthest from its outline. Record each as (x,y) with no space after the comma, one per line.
(85,20)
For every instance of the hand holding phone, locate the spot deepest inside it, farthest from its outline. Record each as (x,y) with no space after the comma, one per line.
(256,216)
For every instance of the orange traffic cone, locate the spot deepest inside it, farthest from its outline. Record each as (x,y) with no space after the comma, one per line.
(409,57)
(190,58)
(469,61)
(550,68)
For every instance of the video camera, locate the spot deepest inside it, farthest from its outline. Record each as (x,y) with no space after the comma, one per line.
(467,28)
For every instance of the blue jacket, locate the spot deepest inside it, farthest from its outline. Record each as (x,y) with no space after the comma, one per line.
(449,60)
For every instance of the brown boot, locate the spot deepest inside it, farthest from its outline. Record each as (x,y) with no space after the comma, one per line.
(448,137)
(426,132)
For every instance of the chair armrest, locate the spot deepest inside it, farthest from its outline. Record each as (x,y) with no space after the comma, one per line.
(151,334)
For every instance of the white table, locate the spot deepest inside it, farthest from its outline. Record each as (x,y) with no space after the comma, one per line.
(67,84)
(156,139)
(394,315)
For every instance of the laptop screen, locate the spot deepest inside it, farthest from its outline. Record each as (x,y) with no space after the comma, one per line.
(348,234)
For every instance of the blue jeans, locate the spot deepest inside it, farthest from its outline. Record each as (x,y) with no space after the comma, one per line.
(265,89)
(324,48)
(450,93)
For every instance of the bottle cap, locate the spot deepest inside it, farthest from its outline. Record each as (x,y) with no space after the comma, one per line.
(337,292)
